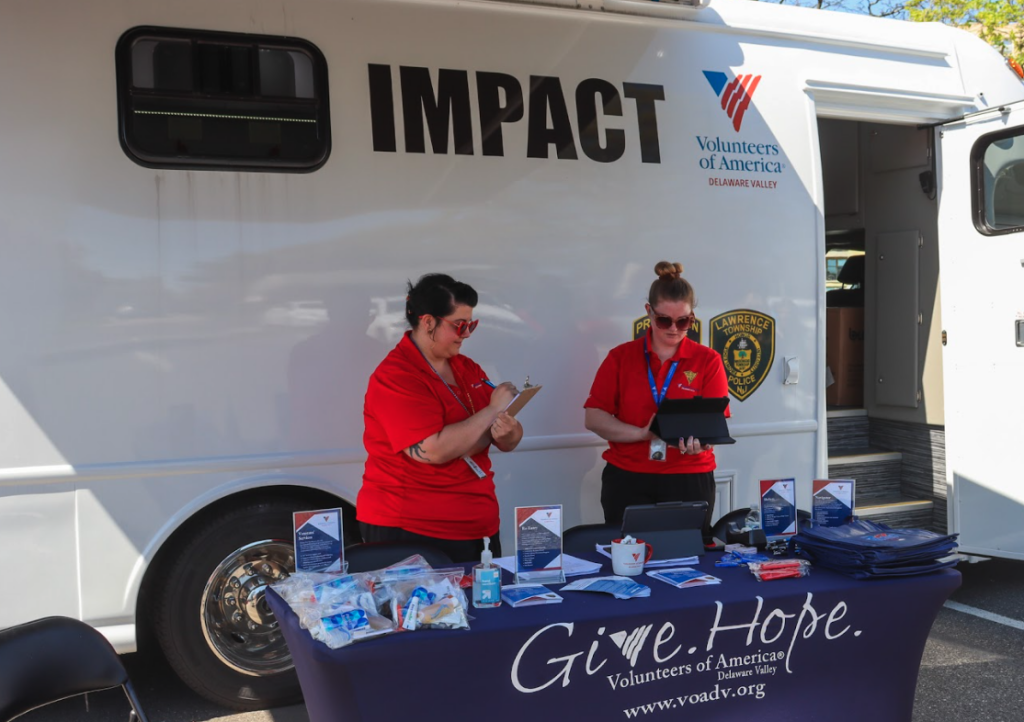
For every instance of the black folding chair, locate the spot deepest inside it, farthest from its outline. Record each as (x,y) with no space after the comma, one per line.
(581,538)
(376,555)
(55,658)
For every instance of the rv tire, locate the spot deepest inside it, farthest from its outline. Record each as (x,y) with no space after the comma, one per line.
(211,618)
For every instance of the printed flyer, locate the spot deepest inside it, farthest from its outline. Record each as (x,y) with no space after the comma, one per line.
(832,501)
(318,541)
(778,507)
(539,544)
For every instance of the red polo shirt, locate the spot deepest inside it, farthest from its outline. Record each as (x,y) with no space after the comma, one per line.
(406,401)
(622,388)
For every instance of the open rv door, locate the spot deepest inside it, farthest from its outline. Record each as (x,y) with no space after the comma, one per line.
(980,164)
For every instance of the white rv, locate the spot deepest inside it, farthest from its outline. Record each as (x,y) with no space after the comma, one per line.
(208,212)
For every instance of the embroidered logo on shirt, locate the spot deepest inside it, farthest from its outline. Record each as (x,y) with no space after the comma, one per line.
(690,375)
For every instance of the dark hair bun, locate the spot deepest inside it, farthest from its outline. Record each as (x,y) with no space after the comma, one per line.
(435,294)
(671,270)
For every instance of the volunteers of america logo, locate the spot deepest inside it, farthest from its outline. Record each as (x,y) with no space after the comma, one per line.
(735,93)
(745,340)
(631,643)
(759,161)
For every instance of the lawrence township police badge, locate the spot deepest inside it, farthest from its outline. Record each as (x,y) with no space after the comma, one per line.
(745,340)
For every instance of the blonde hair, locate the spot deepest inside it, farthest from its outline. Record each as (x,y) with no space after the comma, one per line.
(670,285)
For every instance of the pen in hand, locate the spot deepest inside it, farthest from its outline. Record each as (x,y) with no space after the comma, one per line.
(489,384)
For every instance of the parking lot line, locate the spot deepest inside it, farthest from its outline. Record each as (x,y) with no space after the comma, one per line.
(990,616)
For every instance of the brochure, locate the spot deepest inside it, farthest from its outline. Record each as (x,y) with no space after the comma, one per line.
(606,550)
(778,507)
(832,501)
(539,544)
(619,587)
(572,566)
(318,541)
(527,595)
(682,577)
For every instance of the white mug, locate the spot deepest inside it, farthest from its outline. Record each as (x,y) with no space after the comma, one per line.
(629,556)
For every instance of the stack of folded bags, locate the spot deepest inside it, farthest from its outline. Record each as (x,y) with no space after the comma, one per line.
(865,549)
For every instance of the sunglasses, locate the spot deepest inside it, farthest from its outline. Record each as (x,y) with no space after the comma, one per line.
(666,322)
(462,327)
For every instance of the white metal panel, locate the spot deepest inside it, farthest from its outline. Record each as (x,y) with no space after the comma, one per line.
(37,527)
(896,277)
(982,298)
(174,336)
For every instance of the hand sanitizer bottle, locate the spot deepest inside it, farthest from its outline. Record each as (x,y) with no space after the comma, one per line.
(486,580)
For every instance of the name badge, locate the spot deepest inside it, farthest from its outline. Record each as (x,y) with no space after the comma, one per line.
(659,450)
(475,467)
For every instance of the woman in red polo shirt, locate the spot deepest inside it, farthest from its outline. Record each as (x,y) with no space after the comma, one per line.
(431,416)
(630,384)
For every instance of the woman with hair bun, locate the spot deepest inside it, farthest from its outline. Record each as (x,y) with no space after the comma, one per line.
(631,383)
(431,416)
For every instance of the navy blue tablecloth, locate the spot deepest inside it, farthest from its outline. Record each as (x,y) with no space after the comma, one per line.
(822,647)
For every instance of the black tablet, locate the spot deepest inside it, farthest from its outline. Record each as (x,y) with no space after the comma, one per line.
(673,529)
(699,417)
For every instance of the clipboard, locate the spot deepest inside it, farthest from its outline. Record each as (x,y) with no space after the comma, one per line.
(522,398)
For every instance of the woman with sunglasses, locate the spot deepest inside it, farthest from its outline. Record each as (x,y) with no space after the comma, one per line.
(431,416)
(631,383)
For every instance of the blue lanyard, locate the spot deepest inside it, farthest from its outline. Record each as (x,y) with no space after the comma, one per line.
(447,385)
(658,398)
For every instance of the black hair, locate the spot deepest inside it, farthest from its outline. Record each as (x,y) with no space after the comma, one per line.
(436,294)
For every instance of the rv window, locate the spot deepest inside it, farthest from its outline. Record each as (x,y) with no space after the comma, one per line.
(222,101)
(999,182)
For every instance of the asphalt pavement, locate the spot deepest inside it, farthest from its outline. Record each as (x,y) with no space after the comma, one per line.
(973,665)
(972,670)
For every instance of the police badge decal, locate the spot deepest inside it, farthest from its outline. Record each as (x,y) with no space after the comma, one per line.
(745,340)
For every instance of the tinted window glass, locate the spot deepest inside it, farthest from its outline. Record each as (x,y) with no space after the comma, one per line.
(221,101)
(999,182)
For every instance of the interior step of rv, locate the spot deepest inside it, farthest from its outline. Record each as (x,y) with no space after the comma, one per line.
(881,492)
(898,512)
(847,429)
(877,472)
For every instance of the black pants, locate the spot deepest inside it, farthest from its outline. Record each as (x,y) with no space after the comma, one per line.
(460,550)
(621,488)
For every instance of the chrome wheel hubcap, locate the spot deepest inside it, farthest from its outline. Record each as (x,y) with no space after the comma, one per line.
(237,621)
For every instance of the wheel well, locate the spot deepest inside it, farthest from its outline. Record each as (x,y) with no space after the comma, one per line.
(306,497)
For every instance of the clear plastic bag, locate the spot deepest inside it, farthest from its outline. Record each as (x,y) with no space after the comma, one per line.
(336,609)
(347,623)
(383,580)
(412,566)
(432,600)
(741,557)
(298,588)
(779,569)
